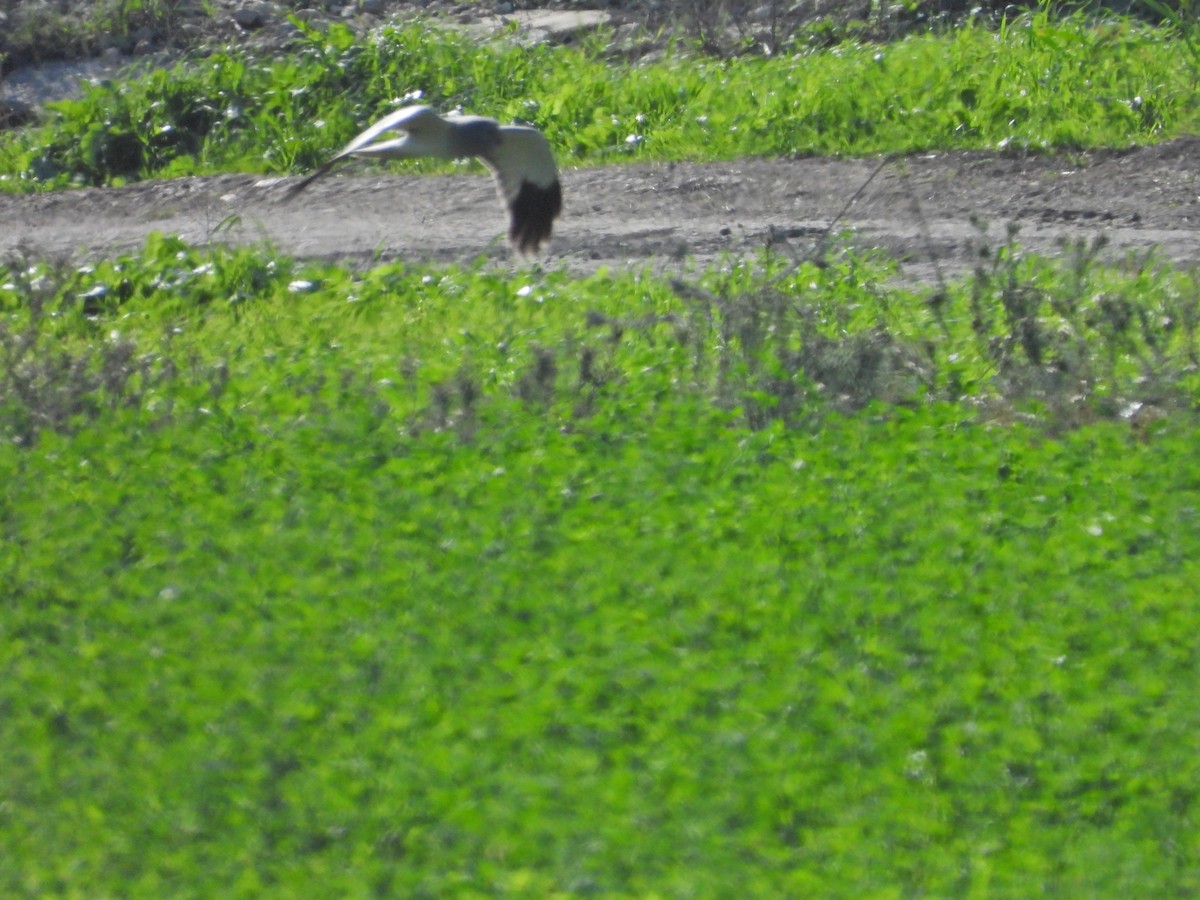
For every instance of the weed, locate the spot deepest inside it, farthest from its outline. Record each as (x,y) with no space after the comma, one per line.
(770,341)
(1081,345)
(49,384)
(1038,83)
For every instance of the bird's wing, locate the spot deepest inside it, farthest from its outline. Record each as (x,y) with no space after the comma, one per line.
(522,155)
(527,179)
(410,118)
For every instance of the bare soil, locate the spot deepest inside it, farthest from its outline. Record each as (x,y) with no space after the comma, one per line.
(939,214)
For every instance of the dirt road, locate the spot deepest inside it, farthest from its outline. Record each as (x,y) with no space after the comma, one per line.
(935,213)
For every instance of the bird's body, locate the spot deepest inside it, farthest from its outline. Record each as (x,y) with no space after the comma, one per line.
(519,157)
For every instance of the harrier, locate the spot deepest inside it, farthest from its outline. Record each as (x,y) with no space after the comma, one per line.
(519,157)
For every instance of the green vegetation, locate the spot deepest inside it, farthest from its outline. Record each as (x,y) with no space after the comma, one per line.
(424,582)
(1037,83)
(779,580)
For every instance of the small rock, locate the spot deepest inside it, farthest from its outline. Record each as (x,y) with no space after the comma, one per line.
(142,41)
(44,168)
(252,15)
(372,7)
(14,114)
(288,31)
(191,9)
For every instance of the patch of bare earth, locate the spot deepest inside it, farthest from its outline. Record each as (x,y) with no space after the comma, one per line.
(936,213)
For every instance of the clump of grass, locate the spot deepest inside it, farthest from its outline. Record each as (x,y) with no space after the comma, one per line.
(788,353)
(1082,341)
(1038,83)
(68,354)
(50,384)
(1063,343)
(765,342)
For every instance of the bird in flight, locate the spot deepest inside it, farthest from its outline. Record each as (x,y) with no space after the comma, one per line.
(519,157)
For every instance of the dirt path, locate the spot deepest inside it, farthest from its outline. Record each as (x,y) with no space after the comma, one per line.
(921,210)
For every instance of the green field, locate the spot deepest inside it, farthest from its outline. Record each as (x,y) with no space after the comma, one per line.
(445,582)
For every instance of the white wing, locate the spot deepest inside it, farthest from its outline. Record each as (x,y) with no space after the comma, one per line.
(410,118)
(523,155)
(527,180)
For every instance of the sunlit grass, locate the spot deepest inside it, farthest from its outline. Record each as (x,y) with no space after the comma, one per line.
(429,582)
(766,339)
(1036,83)
(777,581)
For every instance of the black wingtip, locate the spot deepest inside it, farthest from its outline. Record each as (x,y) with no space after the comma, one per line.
(533,212)
(299,186)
